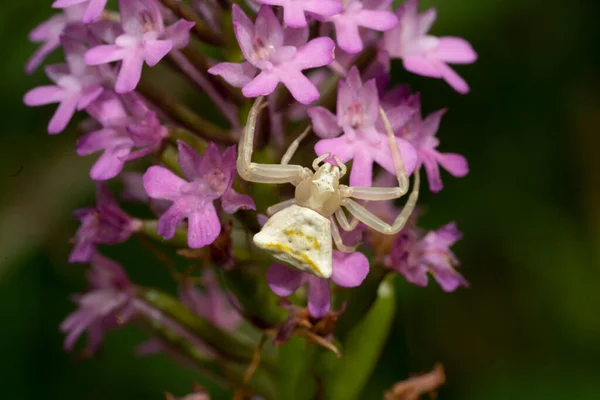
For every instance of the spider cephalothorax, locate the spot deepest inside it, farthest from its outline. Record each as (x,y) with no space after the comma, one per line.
(300,232)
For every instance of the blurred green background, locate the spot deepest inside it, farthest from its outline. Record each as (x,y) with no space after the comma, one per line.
(527,328)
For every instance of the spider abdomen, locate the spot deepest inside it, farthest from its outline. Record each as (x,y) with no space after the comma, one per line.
(299,237)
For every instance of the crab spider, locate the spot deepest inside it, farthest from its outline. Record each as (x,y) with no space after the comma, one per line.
(299,231)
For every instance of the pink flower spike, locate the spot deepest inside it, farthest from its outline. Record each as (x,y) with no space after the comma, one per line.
(208,178)
(373,15)
(364,139)
(349,270)
(49,32)
(76,87)
(144,39)
(424,54)
(277,56)
(294,10)
(92,12)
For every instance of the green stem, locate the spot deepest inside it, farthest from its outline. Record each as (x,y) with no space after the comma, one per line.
(222,342)
(260,304)
(184,11)
(185,116)
(225,373)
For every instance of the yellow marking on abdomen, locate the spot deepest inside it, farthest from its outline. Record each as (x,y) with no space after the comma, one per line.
(298,255)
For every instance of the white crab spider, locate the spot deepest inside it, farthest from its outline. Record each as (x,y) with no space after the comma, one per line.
(299,231)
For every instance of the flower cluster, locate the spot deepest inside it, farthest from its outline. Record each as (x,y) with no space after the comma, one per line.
(333,60)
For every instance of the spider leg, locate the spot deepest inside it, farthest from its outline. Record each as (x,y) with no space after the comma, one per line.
(289,153)
(337,238)
(275,208)
(377,193)
(343,221)
(264,173)
(374,222)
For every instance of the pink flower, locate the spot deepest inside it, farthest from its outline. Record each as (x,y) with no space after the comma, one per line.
(424,54)
(364,139)
(280,56)
(293,10)
(349,270)
(421,134)
(144,39)
(92,11)
(107,305)
(370,14)
(104,224)
(119,134)
(414,258)
(76,86)
(208,178)
(49,33)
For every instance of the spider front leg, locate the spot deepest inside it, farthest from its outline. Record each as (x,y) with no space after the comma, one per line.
(379,193)
(264,173)
(367,217)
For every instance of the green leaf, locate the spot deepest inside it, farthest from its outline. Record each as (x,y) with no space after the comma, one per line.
(362,347)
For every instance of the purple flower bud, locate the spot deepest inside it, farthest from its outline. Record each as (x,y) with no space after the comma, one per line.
(280,56)
(107,305)
(349,270)
(104,224)
(424,54)
(363,140)
(208,178)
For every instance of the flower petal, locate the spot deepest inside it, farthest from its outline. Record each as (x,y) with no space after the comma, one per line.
(189,160)
(267,28)
(203,226)
(362,169)
(64,113)
(455,50)
(236,74)
(43,95)
(348,36)
(130,73)
(262,85)
(319,297)
(340,147)
(156,50)
(376,19)
(284,281)
(168,222)
(244,31)
(104,54)
(233,201)
(349,269)
(301,88)
(454,163)
(324,122)
(316,53)
(161,183)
